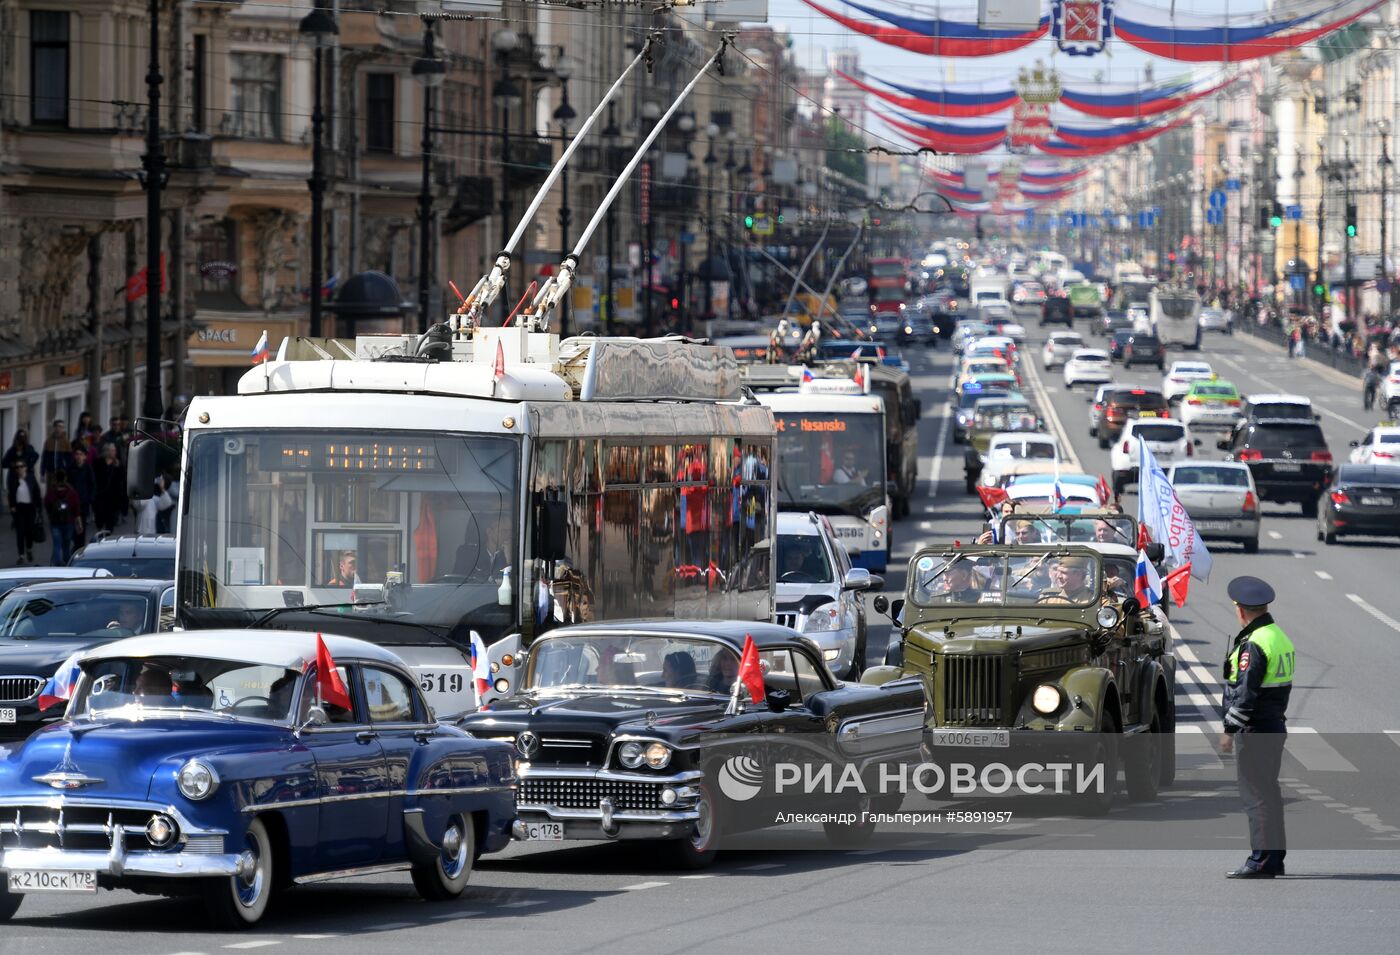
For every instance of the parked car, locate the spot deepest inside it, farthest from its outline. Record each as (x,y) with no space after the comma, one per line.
(1289,459)
(1059,347)
(624,728)
(1179,378)
(1124,404)
(1057,309)
(819,593)
(1165,438)
(1144,349)
(223,767)
(1221,498)
(1381,445)
(12,577)
(129,556)
(1088,365)
(1118,342)
(42,625)
(1210,404)
(1362,499)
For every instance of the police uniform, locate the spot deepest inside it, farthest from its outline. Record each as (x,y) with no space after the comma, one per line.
(1258,681)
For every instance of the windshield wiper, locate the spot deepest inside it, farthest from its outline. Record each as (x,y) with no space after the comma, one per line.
(438,630)
(1029,570)
(278,611)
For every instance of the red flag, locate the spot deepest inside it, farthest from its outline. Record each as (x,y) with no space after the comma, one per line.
(750,671)
(329,685)
(1178,582)
(1105,493)
(991,496)
(1144,537)
(500,371)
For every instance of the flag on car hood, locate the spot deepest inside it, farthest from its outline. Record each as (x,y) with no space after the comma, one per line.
(59,688)
(329,686)
(750,670)
(1147,585)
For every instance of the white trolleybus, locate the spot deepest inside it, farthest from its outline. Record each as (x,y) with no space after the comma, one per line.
(1176,316)
(831,455)
(417,492)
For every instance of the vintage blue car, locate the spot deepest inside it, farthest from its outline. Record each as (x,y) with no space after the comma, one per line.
(216,765)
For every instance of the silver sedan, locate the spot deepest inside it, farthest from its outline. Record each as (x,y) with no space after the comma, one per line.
(1221,499)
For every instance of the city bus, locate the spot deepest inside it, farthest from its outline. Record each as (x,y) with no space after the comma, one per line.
(831,451)
(489,487)
(886,283)
(1175,314)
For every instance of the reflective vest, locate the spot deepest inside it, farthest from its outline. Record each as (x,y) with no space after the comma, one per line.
(1277,649)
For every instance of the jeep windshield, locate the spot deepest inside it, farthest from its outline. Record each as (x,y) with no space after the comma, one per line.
(1002,580)
(831,462)
(1068,529)
(640,663)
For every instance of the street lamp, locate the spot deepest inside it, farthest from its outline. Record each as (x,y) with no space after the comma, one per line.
(610,135)
(711,132)
(320,28)
(506,97)
(1302,279)
(564,115)
(429,71)
(1383,127)
(651,112)
(1324,175)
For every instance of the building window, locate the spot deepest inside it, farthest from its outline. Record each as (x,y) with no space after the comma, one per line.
(379,112)
(199,82)
(48,68)
(217,256)
(256,83)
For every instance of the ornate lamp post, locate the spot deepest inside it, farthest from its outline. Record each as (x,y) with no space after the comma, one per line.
(429,71)
(320,28)
(564,116)
(506,97)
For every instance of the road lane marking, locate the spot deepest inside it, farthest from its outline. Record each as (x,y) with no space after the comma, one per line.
(1300,555)
(1056,425)
(395,926)
(1323,575)
(697,877)
(265,942)
(640,886)
(1390,622)
(1316,754)
(314,938)
(1282,390)
(935,469)
(760,866)
(1275,535)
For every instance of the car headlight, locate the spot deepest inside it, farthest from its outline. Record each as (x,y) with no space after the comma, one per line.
(824,619)
(658,755)
(160,830)
(1107,617)
(631,754)
(197,780)
(830,655)
(1047,699)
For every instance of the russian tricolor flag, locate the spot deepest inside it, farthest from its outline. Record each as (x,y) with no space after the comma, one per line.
(481,667)
(1148,585)
(260,349)
(59,689)
(807,374)
(1061,498)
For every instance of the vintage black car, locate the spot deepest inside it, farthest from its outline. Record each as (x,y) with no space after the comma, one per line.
(626,730)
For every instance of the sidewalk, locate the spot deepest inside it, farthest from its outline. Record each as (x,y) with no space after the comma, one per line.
(1327,371)
(1341,368)
(9,555)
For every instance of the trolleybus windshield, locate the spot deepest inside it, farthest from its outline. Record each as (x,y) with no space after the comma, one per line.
(830,462)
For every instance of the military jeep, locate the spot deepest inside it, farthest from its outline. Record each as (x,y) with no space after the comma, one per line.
(1025,653)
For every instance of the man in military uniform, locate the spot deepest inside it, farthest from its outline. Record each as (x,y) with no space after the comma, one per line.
(961,589)
(1259,679)
(1073,582)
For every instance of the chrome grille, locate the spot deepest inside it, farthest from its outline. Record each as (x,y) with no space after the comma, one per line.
(586,793)
(73,827)
(972,690)
(786,620)
(204,845)
(576,750)
(17,689)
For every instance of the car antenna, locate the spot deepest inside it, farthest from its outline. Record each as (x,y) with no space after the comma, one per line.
(488,288)
(536,316)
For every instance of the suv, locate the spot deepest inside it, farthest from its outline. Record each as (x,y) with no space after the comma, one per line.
(1121,404)
(819,593)
(129,556)
(1288,458)
(1057,308)
(1390,390)
(1166,439)
(1024,658)
(1144,349)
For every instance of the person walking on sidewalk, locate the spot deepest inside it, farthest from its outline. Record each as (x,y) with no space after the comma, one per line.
(85,484)
(20,451)
(22,491)
(58,451)
(109,483)
(65,517)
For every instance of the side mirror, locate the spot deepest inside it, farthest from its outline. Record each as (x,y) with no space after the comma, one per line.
(858,578)
(1198,442)
(1156,551)
(1223,444)
(141,469)
(1353,444)
(777,700)
(881,603)
(1131,606)
(551,530)
(315,716)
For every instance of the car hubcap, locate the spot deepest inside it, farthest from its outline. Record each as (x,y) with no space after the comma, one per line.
(700,836)
(248,884)
(454,851)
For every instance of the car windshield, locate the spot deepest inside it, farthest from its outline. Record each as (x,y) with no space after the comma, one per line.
(1005,417)
(1184,369)
(185,686)
(1159,432)
(961,579)
(627,661)
(1204,474)
(160,568)
(1291,437)
(416,528)
(1090,358)
(1282,410)
(1388,439)
(1066,528)
(69,614)
(1215,391)
(1177,306)
(802,560)
(1024,450)
(831,462)
(1138,399)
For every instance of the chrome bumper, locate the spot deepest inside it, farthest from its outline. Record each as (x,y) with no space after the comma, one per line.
(118,862)
(607,819)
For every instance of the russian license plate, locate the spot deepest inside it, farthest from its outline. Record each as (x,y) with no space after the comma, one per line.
(997,739)
(56,880)
(1283,468)
(1213,525)
(544,832)
(1369,501)
(8,715)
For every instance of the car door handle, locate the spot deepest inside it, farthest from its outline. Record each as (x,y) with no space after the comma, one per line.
(366,736)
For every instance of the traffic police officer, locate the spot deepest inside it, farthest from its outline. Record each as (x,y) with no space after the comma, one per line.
(1259,679)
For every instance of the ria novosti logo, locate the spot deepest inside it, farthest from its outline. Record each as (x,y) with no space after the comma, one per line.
(740,778)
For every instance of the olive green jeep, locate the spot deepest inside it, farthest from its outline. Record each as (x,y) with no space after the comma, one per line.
(1024,647)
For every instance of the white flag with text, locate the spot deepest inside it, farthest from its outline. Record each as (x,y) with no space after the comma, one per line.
(1160,510)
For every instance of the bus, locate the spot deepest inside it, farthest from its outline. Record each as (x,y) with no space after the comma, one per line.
(1175,314)
(831,446)
(490,487)
(886,283)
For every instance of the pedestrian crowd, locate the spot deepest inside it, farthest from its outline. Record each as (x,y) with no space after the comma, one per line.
(72,489)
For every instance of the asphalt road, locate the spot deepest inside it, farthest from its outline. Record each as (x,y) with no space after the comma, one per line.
(983,891)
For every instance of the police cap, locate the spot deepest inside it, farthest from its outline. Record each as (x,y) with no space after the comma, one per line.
(1250,592)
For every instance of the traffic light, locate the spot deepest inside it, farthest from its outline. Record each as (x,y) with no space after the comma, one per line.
(1351,219)
(748,222)
(780,218)
(1276,215)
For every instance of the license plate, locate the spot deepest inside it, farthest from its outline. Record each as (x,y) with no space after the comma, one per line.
(997,739)
(8,715)
(1288,468)
(1213,525)
(544,832)
(56,880)
(1369,501)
